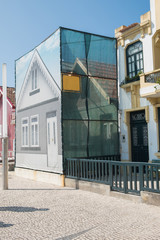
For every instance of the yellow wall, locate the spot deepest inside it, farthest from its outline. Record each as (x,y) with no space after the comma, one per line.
(157,13)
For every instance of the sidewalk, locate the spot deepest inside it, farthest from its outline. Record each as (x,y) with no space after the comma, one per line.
(35,210)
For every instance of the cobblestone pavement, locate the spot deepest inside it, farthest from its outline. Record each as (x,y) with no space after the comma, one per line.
(35,210)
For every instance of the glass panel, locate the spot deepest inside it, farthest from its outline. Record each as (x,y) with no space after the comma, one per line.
(145,136)
(87,54)
(75,138)
(34,119)
(141,64)
(137,56)
(135,136)
(25,121)
(102,99)
(140,46)
(23,135)
(73,52)
(32,134)
(74,103)
(36,134)
(130,68)
(133,68)
(129,59)
(94,99)
(103,138)
(134,48)
(138,67)
(130,75)
(102,57)
(35,78)
(26,135)
(141,56)
(132,58)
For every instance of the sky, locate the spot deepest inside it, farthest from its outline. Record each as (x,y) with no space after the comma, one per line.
(24,24)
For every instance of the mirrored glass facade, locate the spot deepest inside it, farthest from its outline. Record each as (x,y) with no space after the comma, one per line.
(89,94)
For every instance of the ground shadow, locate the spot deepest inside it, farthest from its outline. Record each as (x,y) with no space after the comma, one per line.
(73,236)
(2,224)
(22,209)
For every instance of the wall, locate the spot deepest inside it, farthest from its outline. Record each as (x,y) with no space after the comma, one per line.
(125,97)
(37,159)
(44,99)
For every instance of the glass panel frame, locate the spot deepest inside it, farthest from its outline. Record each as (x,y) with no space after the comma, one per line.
(134,54)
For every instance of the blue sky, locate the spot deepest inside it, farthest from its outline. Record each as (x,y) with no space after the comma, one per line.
(24,24)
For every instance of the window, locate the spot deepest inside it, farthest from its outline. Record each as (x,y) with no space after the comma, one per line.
(134,56)
(25,132)
(34,79)
(34,131)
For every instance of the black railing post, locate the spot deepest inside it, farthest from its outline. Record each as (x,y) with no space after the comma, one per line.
(78,170)
(110,174)
(141,177)
(125,182)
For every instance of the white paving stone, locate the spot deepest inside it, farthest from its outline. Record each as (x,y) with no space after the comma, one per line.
(35,210)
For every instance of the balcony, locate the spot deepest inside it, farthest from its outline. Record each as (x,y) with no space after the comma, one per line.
(150,84)
(129,80)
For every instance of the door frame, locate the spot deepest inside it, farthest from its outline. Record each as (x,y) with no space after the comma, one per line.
(140,151)
(127,122)
(51,115)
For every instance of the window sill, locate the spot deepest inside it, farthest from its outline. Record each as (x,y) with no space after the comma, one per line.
(30,148)
(34,92)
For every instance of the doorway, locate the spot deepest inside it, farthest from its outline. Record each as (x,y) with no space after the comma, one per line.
(139,137)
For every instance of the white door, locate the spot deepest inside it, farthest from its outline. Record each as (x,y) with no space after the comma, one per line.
(52,141)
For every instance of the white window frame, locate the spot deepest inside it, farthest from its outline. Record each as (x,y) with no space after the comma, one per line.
(34,80)
(24,125)
(34,124)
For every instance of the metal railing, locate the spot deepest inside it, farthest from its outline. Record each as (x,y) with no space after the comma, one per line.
(108,157)
(152,77)
(128,177)
(90,170)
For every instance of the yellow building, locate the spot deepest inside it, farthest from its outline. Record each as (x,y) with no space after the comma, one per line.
(139,92)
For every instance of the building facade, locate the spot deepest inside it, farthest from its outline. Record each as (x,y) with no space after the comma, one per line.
(10,120)
(139,90)
(67,104)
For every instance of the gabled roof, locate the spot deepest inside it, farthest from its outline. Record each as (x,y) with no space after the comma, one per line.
(10,95)
(50,80)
